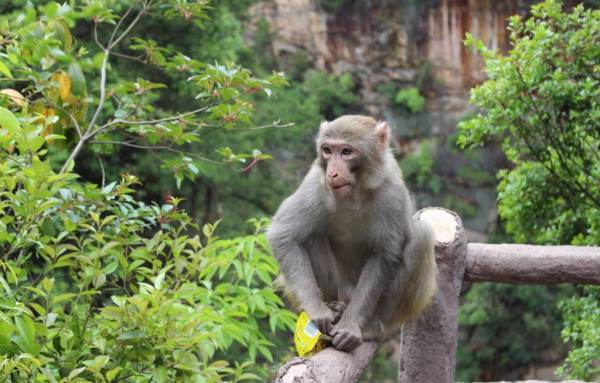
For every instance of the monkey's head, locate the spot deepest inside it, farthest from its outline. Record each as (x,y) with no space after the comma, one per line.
(350,150)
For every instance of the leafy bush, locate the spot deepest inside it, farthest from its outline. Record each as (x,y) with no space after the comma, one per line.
(541,102)
(333,95)
(417,169)
(582,329)
(410,99)
(96,285)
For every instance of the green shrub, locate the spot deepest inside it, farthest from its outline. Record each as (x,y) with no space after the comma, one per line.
(410,99)
(98,286)
(541,103)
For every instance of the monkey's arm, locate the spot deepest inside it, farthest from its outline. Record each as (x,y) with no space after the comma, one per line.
(298,217)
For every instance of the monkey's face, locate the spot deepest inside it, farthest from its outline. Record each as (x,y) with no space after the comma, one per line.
(340,161)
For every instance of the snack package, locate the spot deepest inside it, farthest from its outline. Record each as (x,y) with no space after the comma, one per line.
(307,337)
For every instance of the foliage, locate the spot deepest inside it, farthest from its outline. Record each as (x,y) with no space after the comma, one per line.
(418,171)
(98,286)
(53,68)
(333,95)
(495,343)
(582,329)
(542,102)
(410,99)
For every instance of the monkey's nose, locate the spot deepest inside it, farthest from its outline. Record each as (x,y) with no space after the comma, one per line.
(333,175)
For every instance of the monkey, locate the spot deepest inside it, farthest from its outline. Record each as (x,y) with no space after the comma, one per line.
(350,253)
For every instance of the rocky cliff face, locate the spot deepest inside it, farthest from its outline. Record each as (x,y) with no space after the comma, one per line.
(404,43)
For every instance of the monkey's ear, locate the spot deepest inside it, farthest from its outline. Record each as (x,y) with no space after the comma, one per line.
(383,133)
(323,126)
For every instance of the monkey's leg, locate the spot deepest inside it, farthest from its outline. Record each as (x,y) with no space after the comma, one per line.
(347,332)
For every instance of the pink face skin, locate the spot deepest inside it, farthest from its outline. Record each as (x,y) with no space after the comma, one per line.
(340,157)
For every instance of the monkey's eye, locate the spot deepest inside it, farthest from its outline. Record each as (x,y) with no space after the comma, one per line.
(326,150)
(346,152)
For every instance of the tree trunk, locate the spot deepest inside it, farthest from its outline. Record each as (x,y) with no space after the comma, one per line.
(428,344)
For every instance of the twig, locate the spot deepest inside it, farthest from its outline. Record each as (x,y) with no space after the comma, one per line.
(119,23)
(128,57)
(156,147)
(90,132)
(112,43)
(96,37)
(71,117)
(152,122)
(102,169)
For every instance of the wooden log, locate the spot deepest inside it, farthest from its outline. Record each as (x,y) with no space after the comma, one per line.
(428,344)
(329,365)
(529,264)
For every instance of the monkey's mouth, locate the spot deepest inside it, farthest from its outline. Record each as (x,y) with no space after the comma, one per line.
(342,187)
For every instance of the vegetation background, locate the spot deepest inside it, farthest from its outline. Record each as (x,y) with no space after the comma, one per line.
(144,143)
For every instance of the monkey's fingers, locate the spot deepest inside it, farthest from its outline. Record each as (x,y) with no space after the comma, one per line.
(324,325)
(345,341)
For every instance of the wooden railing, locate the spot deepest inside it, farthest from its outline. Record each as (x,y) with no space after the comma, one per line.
(428,344)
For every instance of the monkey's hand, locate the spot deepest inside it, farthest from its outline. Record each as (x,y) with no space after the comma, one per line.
(322,316)
(346,335)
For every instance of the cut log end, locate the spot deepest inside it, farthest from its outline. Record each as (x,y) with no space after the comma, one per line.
(443,222)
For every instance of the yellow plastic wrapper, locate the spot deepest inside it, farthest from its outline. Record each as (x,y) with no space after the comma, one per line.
(307,337)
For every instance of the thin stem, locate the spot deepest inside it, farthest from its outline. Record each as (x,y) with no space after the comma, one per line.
(96,37)
(112,44)
(73,154)
(128,57)
(119,23)
(156,147)
(102,99)
(152,122)
(102,169)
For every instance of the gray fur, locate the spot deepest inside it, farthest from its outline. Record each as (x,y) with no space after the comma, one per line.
(366,250)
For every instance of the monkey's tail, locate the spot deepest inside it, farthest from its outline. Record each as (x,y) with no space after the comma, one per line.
(420,285)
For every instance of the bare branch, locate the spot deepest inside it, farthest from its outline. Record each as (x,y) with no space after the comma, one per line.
(119,23)
(96,37)
(156,147)
(128,57)
(102,169)
(152,122)
(89,133)
(116,41)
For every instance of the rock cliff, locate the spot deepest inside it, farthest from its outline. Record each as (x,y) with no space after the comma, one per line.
(395,44)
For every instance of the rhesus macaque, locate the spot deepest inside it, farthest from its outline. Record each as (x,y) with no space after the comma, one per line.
(350,252)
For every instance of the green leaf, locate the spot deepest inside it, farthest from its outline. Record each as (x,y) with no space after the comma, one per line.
(78,86)
(160,375)
(4,70)
(62,297)
(128,335)
(26,331)
(112,374)
(8,121)
(73,374)
(97,363)
(47,284)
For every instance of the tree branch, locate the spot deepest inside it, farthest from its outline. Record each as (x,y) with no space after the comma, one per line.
(152,122)
(89,133)
(156,147)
